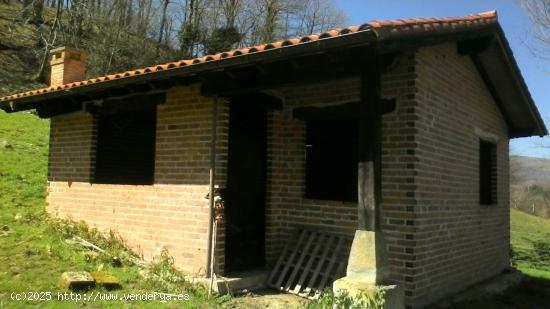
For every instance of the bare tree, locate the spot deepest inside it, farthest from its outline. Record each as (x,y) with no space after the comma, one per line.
(268,20)
(190,30)
(49,43)
(230,10)
(539,14)
(224,33)
(143,16)
(321,15)
(272,10)
(124,34)
(162,26)
(32,12)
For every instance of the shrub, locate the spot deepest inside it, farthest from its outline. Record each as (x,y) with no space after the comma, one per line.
(343,300)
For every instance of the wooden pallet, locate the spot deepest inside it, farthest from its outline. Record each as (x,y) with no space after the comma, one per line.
(310,262)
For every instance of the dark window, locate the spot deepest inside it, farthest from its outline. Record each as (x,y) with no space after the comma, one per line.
(487,173)
(331,160)
(125,152)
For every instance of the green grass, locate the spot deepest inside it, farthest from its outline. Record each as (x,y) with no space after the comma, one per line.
(530,237)
(33,248)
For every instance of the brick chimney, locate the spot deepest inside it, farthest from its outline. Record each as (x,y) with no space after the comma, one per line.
(67,65)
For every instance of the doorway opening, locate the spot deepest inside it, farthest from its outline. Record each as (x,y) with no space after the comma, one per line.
(244,196)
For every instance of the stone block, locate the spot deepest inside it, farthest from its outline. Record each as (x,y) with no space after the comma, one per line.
(367,263)
(362,259)
(105,279)
(76,280)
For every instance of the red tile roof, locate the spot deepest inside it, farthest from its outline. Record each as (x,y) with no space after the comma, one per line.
(390,27)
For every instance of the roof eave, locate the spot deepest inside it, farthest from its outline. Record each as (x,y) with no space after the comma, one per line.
(541,129)
(364,37)
(389,40)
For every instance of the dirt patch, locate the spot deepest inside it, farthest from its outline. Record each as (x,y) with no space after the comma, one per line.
(267,299)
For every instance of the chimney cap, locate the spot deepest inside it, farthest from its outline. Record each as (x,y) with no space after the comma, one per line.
(63,48)
(68,53)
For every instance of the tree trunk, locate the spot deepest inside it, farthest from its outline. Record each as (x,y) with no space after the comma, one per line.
(162,26)
(39,77)
(37,10)
(270,23)
(27,8)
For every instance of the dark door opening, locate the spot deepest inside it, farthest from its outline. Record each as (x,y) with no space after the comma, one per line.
(246,180)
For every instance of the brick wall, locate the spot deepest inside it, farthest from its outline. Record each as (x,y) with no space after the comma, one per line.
(71,148)
(429,174)
(458,241)
(172,213)
(286,206)
(438,238)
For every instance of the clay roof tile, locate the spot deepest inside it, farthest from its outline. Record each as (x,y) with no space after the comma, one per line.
(394,26)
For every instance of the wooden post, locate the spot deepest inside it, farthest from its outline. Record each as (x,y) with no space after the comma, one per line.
(370,136)
(210,246)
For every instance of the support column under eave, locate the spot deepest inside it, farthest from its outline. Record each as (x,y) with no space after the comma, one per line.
(370,142)
(367,270)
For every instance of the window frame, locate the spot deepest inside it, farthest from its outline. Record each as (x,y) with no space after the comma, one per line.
(148,177)
(311,189)
(488,172)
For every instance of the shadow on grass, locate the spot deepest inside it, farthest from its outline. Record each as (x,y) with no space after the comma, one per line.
(533,293)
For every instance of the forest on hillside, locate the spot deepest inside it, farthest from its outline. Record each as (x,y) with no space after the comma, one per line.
(530,185)
(123,34)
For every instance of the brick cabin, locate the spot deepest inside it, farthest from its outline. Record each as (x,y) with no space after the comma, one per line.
(428,104)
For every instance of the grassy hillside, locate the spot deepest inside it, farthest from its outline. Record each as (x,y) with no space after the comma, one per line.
(530,185)
(23,156)
(33,249)
(530,236)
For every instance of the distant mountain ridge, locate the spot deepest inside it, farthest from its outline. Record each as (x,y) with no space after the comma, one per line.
(529,170)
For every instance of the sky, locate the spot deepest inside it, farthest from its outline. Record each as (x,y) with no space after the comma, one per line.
(517,28)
